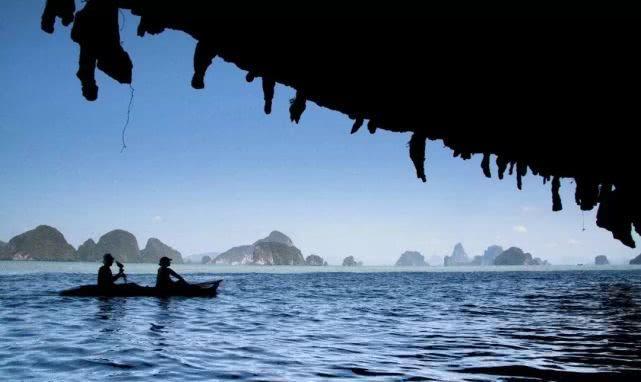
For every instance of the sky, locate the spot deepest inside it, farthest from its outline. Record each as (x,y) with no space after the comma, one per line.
(205,170)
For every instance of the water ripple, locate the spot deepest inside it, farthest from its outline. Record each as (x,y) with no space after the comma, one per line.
(467,326)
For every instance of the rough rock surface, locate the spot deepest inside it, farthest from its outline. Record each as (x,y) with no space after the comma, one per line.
(43,243)
(601,260)
(122,245)
(458,257)
(315,260)
(349,261)
(276,253)
(490,254)
(276,249)
(276,237)
(87,251)
(411,259)
(155,249)
(241,255)
(513,256)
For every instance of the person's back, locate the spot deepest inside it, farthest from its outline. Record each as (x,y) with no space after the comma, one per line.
(105,277)
(162,278)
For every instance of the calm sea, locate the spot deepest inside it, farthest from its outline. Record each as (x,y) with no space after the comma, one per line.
(298,324)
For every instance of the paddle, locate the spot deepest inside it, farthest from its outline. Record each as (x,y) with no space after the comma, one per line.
(122,270)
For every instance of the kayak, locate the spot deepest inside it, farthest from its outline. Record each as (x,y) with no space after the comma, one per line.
(208,289)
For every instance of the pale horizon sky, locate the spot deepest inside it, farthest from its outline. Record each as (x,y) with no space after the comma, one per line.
(207,170)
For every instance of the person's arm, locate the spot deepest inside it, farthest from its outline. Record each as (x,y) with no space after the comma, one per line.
(118,275)
(176,275)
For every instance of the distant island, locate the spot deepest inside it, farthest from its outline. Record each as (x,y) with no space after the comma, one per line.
(46,243)
(601,260)
(349,261)
(516,256)
(200,258)
(636,260)
(411,259)
(493,255)
(275,249)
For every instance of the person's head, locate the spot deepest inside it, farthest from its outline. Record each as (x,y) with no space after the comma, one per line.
(164,261)
(107,259)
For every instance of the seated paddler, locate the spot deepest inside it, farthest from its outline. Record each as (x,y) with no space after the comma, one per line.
(165,275)
(106,279)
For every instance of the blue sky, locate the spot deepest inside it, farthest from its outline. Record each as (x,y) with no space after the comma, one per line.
(207,170)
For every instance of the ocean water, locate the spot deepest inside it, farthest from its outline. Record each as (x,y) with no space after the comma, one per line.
(297,324)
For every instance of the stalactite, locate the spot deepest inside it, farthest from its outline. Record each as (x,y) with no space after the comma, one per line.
(371,126)
(97,32)
(149,25)
(586,193)
(204,54)
(268,93)
(521,171)
(357,125)
(485,165)
(501,164)
(556,198)
(417,154)
(297,107)
(64,9)
(613,215)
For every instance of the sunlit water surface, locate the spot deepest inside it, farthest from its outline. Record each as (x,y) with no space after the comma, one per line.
(294,324)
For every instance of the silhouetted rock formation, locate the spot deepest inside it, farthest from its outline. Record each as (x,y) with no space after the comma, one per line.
(155,249)
(87,251)
(373,76)
(490,254)
(411,259)
(205,260)
(121,244)
(601,260)
(42,243)
(275,249)
(538,261)
(241,255)
(459,257)
(516,256)
(349,261)
(273,253)
(636,260)
(315,260)
(276,237)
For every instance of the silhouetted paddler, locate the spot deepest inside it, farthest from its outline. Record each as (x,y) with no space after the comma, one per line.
(163,278)
(105,278)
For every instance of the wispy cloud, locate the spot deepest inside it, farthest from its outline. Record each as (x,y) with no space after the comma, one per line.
(528,209)
(574,242)
(519,228)
(157,219)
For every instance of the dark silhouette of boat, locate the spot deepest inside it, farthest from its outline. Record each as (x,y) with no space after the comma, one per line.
(206,289)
